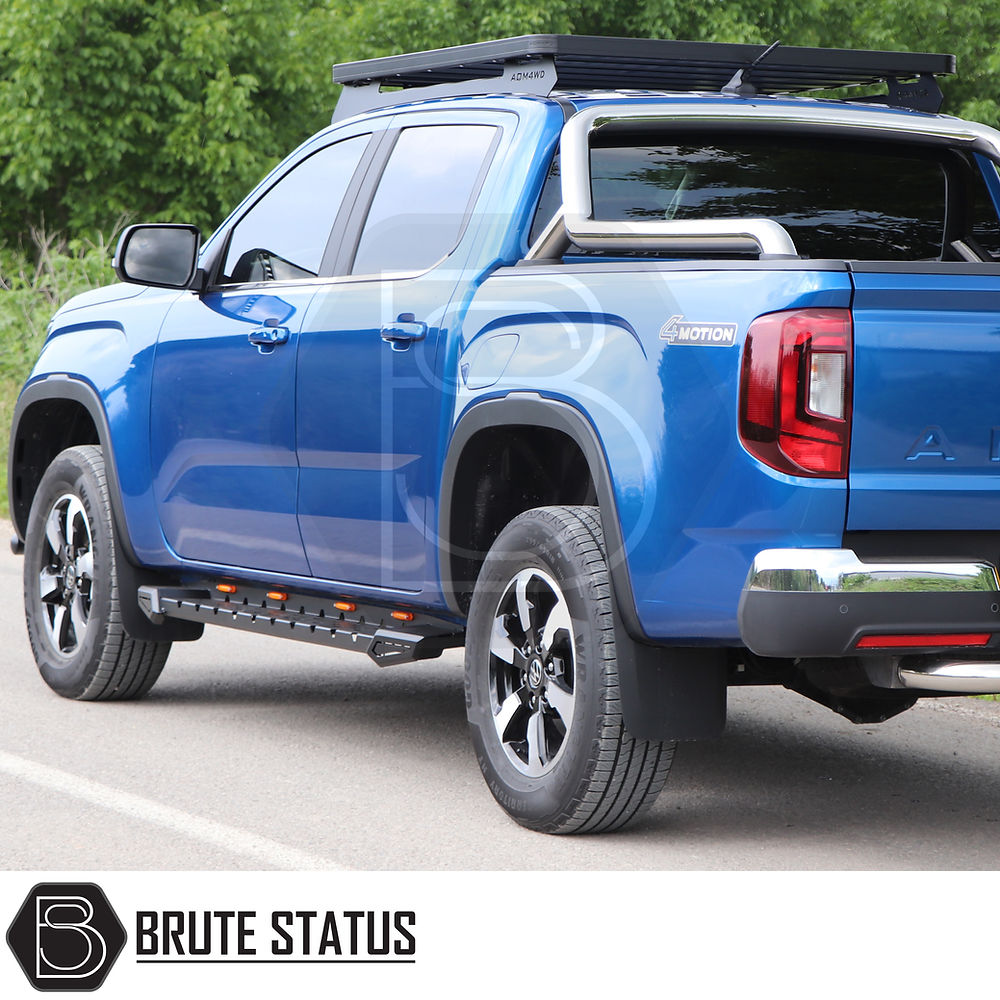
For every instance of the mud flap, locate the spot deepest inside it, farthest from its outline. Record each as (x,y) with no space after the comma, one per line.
(671,692)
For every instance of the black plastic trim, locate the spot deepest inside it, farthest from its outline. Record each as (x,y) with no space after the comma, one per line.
(903,546)
(924,267)
(60,387)
(358,201)
(532,410)
(131,574)
(792,625)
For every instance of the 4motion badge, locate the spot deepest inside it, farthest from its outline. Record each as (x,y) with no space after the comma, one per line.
(678,330)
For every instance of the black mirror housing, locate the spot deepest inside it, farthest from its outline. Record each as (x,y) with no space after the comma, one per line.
(159,254)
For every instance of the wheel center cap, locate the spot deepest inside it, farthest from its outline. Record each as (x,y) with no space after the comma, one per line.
(71,576)
(535,673)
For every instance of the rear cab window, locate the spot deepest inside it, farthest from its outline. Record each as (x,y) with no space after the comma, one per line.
(838,197)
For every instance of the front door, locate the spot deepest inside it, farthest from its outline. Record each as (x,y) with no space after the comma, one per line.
(225,473)
(223,431)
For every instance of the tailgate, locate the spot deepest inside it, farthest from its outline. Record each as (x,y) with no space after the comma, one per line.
(925,447)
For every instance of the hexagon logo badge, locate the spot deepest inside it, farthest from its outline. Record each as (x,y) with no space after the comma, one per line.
(66,936)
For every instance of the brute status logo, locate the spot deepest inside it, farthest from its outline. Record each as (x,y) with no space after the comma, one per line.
(66,936)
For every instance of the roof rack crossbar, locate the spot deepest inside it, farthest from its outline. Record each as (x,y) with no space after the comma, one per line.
(537,64)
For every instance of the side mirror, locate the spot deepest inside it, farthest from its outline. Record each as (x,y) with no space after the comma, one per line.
(158,254)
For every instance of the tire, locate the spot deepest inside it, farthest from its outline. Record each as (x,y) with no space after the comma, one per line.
(542,681)
(71,597)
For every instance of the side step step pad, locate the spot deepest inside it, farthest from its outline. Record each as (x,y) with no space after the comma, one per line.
(366,628)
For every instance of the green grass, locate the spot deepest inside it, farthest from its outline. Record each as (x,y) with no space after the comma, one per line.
(34,281)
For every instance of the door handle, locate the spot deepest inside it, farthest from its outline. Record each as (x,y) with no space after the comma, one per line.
(269,336)
(403,331)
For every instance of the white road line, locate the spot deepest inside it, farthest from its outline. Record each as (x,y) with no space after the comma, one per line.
(228,838)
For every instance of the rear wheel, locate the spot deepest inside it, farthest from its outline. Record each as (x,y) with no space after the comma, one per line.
(542,681)
(71,595)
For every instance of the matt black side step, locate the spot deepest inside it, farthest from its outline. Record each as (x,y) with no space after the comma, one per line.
(363,628)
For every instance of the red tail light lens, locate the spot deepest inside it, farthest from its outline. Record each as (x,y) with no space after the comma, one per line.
(795,391)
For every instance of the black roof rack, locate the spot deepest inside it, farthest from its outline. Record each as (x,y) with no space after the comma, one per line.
(537,64)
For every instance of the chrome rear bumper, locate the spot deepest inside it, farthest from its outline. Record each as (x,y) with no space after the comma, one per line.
(822,602)
(840,571)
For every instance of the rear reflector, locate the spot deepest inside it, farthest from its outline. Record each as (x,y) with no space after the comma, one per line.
(921,641)
(795,391)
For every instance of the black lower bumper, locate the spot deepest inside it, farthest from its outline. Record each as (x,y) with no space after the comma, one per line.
(824,602)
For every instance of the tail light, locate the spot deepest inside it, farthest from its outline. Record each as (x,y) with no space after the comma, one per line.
(795,391)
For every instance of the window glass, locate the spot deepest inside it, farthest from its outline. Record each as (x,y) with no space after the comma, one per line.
(549,201)
(284,235)
(985,224)
(837,197)
(423,197)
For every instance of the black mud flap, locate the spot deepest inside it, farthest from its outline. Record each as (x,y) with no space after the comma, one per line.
(671,692)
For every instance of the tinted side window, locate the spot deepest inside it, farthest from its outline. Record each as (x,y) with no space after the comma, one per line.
(423,197)
(836,197)
(284,235)
(985,223)
(549,201)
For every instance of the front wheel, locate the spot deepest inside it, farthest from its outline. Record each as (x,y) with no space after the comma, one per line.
(542,681)
(71,598)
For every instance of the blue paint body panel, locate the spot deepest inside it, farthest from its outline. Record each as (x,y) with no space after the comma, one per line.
(222,434)
(321,462)
(693,505)
(926,402)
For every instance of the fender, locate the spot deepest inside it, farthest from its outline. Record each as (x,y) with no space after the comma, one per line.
(667,692)
(131,574)
(532,410)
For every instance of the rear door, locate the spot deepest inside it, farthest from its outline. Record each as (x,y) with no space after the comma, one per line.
(371,400)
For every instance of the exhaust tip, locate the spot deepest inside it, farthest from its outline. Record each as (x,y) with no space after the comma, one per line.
(951,676)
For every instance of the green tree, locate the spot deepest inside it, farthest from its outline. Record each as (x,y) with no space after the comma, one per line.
(169,109)
(970,30)
(173,109)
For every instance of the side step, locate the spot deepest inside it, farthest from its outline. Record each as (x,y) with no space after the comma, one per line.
(342,624)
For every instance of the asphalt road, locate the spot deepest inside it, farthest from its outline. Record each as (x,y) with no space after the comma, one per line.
(252,753)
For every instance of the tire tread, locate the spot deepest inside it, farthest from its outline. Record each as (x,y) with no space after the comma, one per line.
(126,668)
(624,774)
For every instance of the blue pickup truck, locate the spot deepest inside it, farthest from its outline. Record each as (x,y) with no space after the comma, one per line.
(610,360)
